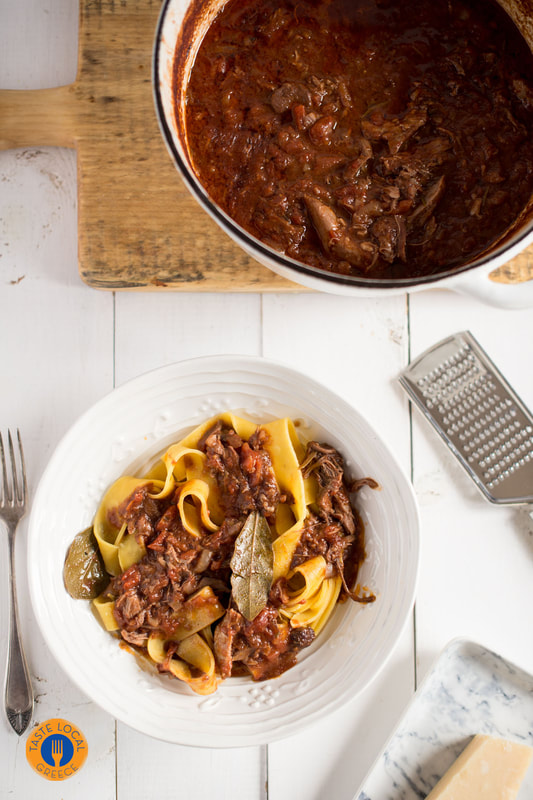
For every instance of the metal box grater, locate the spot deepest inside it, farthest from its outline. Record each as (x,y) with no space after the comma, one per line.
(479,416)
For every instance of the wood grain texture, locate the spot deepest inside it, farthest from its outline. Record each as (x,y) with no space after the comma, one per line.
(517,270)
(138,225)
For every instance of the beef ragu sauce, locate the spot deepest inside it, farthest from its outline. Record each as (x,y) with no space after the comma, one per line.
(368,137)
(151,595)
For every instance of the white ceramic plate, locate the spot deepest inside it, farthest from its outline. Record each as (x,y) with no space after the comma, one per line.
(127,429)
(469,690)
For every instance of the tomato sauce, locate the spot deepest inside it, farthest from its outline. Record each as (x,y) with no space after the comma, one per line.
(368,137)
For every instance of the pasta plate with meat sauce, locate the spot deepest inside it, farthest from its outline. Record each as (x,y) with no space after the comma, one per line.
(230,555)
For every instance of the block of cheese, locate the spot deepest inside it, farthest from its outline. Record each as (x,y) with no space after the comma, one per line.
(488,769)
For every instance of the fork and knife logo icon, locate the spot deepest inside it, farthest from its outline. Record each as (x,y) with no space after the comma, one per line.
(56,749)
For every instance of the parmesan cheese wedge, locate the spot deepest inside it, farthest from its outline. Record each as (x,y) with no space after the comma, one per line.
(488,769)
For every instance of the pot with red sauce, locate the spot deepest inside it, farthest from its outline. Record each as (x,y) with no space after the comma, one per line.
(357,147)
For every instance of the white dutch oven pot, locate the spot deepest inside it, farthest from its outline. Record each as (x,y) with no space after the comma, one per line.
(183,23)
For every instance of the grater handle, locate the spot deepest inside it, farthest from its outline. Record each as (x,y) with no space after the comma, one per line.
(477,283)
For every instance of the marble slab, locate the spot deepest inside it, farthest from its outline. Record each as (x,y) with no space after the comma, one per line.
(469,690)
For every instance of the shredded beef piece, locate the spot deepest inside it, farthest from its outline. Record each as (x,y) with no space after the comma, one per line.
(354,167)
(149,594)
(203,561)
(138,588)
(337,237)
(390,233)
(140,512)
(320,538)
(328,468)
(221,543)
(243,471)
(335,531)
(421,158)
(427,205)
(225,633)
(278,594)
(265,647)
(395,131)
(286,95)
(170,523)
(343,554)
(213,431)
(358,484)
(232,439)
(171,650)
(138,639)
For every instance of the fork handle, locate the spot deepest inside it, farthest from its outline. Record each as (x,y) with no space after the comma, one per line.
(19,692)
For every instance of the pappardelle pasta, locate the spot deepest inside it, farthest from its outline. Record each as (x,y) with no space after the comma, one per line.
(230,555)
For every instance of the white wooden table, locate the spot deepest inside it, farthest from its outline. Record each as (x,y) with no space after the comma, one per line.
(64,345)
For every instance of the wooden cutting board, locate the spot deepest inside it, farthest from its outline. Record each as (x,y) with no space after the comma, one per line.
(138,226)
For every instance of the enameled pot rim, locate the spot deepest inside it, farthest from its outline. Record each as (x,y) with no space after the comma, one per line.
(283,263)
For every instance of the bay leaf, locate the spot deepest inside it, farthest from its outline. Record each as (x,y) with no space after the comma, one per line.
(84,573)
(252,566)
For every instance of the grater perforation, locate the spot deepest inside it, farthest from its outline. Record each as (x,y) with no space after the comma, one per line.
(474,410)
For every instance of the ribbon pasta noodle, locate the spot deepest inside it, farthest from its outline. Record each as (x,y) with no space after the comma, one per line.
(231,498)
(312,603)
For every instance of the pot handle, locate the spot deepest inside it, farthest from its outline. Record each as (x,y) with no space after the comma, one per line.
(495,293)
(37,117)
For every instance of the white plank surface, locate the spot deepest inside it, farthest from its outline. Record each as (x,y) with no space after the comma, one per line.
(153,330)
(63,345)
(357,348)
(476,558)
(56,350)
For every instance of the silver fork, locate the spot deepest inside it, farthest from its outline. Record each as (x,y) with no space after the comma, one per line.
(18,692)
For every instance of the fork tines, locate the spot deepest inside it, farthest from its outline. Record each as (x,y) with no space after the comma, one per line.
(13,491)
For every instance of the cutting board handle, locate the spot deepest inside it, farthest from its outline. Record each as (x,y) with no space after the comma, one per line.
(37,117)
